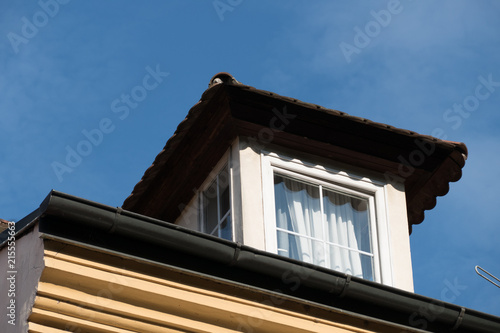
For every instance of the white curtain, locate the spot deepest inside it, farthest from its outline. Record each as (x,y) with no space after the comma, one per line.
(342,230)
(298,210)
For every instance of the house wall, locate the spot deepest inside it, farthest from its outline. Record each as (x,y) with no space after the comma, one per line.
(399,236)
(28,267)
(252,210)
(189,217)
(84,290)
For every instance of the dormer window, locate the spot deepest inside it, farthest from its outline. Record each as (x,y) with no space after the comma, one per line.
(299,180)
(326,218)
(216,206)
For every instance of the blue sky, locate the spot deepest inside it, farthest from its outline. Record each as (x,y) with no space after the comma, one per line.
(423,66)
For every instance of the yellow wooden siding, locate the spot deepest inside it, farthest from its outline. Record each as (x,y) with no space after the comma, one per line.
(85,295)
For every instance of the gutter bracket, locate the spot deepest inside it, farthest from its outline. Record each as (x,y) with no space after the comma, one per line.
(118,213)
(236,255)
(459,319)
(346,286)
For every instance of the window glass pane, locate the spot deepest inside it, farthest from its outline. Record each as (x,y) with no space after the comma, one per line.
(362,226)
(225,228)
(217,206)
(351,262)
(340,260)
(301,248)
(210,208)
(297,206)
(283,220)
(224,191)
(347,220)
(288,245)
(215,232)
(281,206)
(367,265)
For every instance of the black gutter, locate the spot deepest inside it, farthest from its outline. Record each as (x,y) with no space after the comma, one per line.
(80,220)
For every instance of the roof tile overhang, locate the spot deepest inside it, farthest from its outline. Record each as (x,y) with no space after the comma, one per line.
(229,109)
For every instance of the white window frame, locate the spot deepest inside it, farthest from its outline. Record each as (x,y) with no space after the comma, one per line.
(350,183)
(213,176)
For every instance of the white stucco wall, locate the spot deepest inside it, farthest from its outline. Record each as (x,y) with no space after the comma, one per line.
(189,216)
(399,237)
(252,197)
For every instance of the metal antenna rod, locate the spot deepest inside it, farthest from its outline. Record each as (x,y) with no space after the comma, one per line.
(493,276)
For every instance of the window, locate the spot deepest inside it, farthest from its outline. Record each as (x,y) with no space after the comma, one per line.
(216,206)
(322,226)
(326,217)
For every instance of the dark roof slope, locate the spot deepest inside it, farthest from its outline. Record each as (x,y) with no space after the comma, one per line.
(228,109)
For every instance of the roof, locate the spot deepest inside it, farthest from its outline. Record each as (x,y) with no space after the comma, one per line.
(91,225)
(4,224)
(228,109)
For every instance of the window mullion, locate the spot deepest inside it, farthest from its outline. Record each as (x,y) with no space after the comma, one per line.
(323,227)
(352,249)
(225,215)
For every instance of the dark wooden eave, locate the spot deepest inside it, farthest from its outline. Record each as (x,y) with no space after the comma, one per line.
(229,109)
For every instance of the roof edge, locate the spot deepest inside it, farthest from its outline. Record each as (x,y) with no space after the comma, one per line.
(20,227)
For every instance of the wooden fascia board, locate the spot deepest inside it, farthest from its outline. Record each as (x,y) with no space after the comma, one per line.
(321,149)
(322,126)
(97,296)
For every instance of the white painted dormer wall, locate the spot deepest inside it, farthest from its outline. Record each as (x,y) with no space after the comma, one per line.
(375,242)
